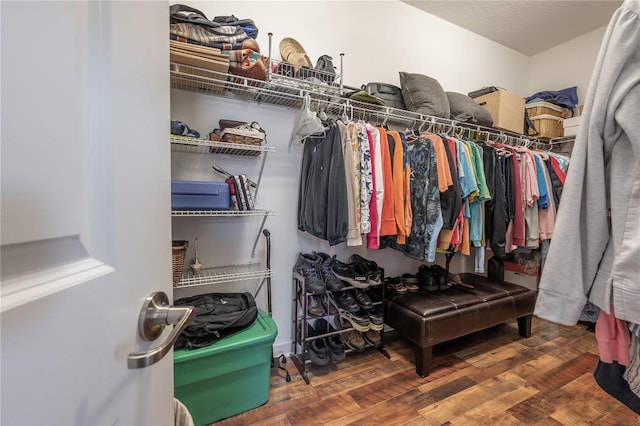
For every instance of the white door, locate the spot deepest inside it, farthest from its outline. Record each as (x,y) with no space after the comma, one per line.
(85,210)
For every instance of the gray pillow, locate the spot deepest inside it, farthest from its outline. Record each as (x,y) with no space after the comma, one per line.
(463,108)
(424,95)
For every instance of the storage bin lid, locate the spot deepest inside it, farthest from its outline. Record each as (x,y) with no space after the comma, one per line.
(198,187)
(263,330)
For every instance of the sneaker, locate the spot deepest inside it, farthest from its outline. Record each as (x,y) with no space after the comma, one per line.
(410,281)
(376,318)
(352,338)
(326,271)
(362,298)
(373,338)
(426,279)
(346,301)
(395,285)
(357,320)
(328,304)
(375,273)
(317,349)
(353,273)
(250,130)
(308,265)
(335,342)
(315,308)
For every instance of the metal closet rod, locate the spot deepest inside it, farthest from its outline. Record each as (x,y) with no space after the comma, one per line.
(422,122)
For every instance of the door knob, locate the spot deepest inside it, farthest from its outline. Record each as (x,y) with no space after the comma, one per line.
(156,313)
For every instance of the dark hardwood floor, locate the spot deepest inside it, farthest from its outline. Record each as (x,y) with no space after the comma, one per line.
(492,377)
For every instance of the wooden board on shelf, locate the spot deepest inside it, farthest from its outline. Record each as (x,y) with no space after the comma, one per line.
(198,61)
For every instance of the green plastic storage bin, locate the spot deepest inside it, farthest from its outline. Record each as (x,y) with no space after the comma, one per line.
(229,377)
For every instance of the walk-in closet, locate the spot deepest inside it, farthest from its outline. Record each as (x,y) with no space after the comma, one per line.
(314,213)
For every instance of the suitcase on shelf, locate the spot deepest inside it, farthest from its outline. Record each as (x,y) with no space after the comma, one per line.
(198,195)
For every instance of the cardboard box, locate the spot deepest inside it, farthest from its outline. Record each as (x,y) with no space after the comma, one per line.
(228,377)
(520,278)
(571,126)
(516,274)
(506,108)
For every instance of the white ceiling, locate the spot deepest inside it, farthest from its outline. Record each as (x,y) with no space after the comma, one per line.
(530,27)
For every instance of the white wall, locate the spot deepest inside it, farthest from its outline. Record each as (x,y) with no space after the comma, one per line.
(566,65)
(381,38)
(410,40)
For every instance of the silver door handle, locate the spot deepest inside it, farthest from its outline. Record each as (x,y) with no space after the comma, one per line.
(156,313)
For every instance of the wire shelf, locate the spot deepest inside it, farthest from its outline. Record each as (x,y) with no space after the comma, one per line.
(292,92)
(223,274)
(202,146)
(222,213)
(209,82)
(564,139)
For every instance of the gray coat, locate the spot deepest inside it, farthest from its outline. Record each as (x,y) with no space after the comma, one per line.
(595,251)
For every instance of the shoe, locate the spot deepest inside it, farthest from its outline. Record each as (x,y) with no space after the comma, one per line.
(317,349)
(426,279)
(376,318)
(308,265)
(373,338)
(335,342)
(410,281)
(328,304)
(354,273)
(346,301)
(315,307)
(441,277)
(395,285)
(352,338)
(357,320)
(250,130)
(375,273)
(362,298)
(326,271)
(181,129)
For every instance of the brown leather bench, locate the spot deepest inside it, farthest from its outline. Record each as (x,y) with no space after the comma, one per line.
(429,318)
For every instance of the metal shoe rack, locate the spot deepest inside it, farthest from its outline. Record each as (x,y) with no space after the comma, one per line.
(300,321)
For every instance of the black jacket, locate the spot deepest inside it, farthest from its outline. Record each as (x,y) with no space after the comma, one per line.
(494,210)
(322,196)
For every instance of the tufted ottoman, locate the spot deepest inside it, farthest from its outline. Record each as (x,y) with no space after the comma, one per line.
(427,319)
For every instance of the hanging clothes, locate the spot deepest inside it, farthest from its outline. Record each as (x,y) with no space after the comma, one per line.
(399,185)
(495,212)
(366,177)
(375,203)
(387,222)
(322,195)
(425,201)
(348,136)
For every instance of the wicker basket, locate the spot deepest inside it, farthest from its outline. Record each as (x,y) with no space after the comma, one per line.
(548,126)
(179,249)
(536,109)
(246,140)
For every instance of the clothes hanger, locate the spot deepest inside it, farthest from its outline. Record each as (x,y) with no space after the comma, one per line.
(344,117)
